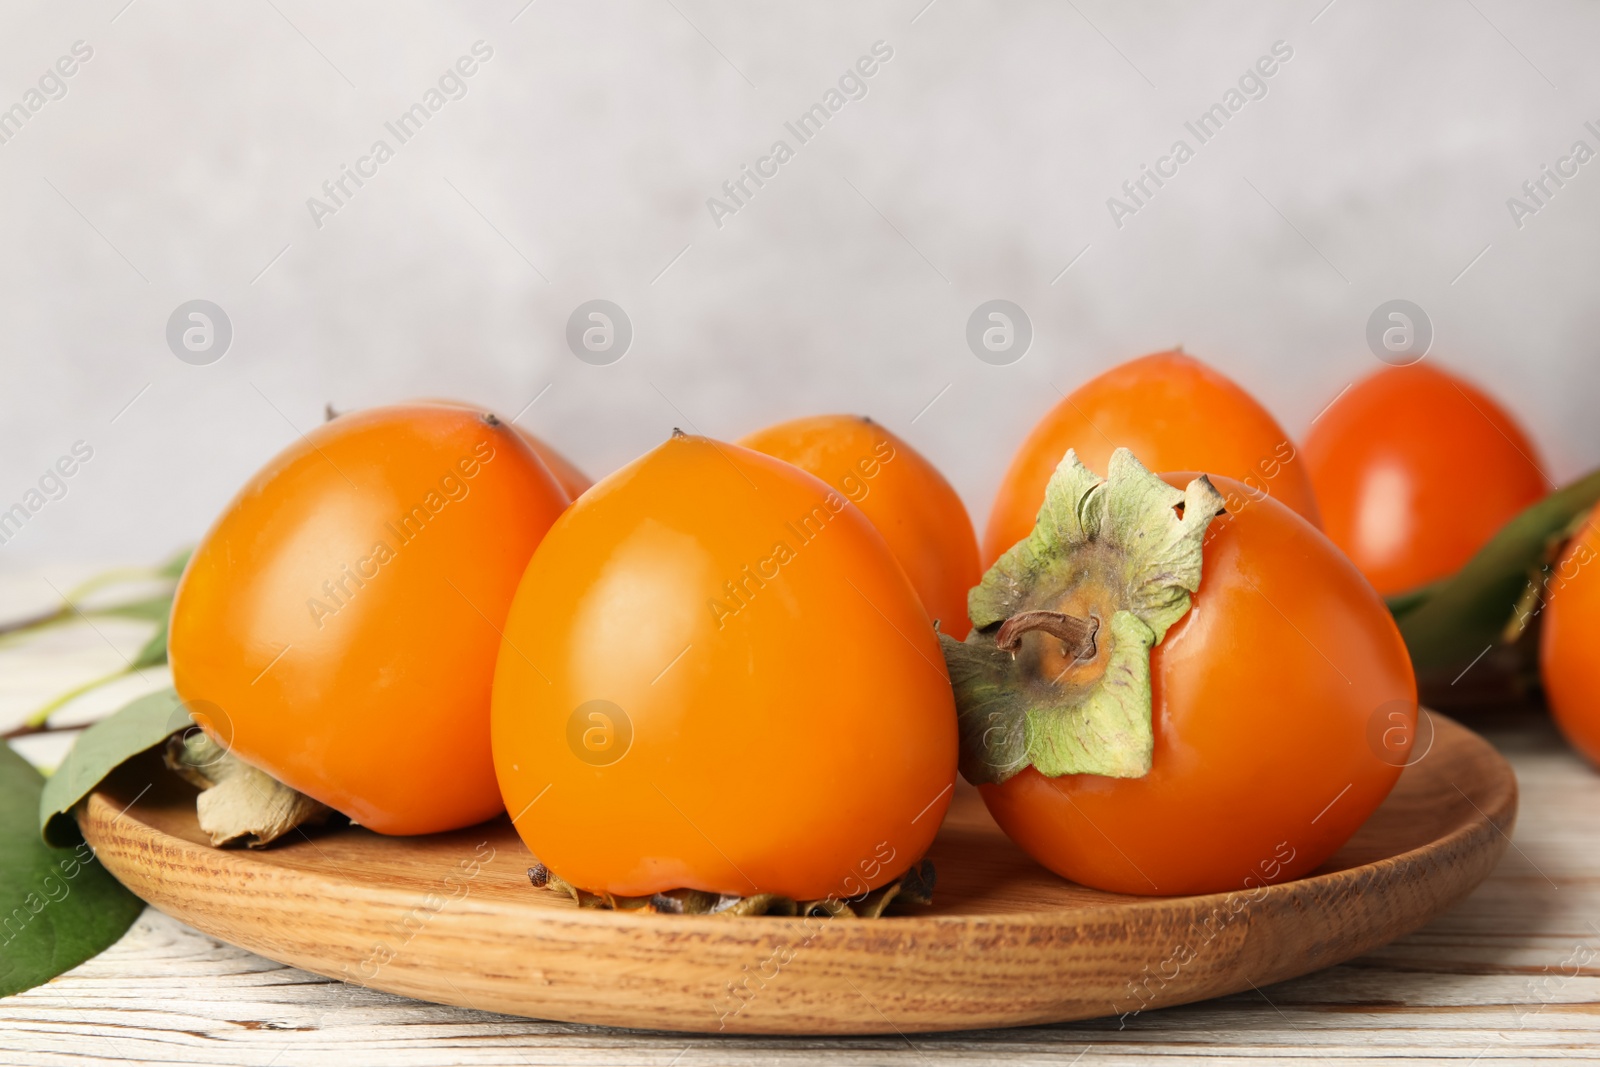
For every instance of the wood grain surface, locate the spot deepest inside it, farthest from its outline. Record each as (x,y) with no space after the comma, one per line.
(452,918)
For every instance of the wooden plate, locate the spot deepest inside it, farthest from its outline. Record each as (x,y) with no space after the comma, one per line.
(452,918)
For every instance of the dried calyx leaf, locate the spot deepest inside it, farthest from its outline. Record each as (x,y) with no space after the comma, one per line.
(1056,671)
(915,887)
(238,802)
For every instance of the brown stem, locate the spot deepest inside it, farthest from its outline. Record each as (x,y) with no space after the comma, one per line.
(29,729)
(1076,635)
(31,621)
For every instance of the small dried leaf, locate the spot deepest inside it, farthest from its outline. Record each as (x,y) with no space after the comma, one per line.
(913,887)
(758,904)
(238,802)
(916,885)
(685,902)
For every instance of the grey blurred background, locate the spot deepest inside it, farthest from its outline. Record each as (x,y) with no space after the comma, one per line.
(177,161)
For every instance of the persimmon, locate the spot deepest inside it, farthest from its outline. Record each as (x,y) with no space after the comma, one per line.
(1568,661)
(715,676)
(904,495)
(344,612)
(1164,695)
(1174,413)
(1388,458)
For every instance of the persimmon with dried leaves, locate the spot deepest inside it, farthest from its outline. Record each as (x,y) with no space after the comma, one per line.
(715,676)
(342,617)
(1166,694)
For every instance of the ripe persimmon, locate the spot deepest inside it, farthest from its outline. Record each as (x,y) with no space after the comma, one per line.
(344,612)
(1387,459)
(1163,697)
(1174,413)
(1568,661)
(904,495)
(716,676)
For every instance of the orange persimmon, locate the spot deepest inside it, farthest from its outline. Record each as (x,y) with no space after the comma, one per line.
(1174,413)
(904,495)
(1568,660)
(1164,697)
(343,614)
(1389,459)
(715,676)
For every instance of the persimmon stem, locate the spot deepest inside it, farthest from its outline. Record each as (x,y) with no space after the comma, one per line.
(28,730)
(1076,635)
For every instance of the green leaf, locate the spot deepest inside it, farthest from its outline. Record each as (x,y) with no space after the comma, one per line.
(1449,622)
(57,907)
(155,609)
(150,609)
(101,749)
(1400,603)
(173,567)
(154,651)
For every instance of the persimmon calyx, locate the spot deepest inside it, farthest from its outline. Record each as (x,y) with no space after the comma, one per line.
(915,886)
(1055,674)
(238,802)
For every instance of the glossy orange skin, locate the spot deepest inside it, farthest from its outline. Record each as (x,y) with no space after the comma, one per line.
(904,495)
(803,744)
(1569,651)
(1391,460)
(573,481)
(1174,413)
(1269,698)
(379,708)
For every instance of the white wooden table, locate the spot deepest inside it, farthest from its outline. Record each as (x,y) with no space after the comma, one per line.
(1512,975)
